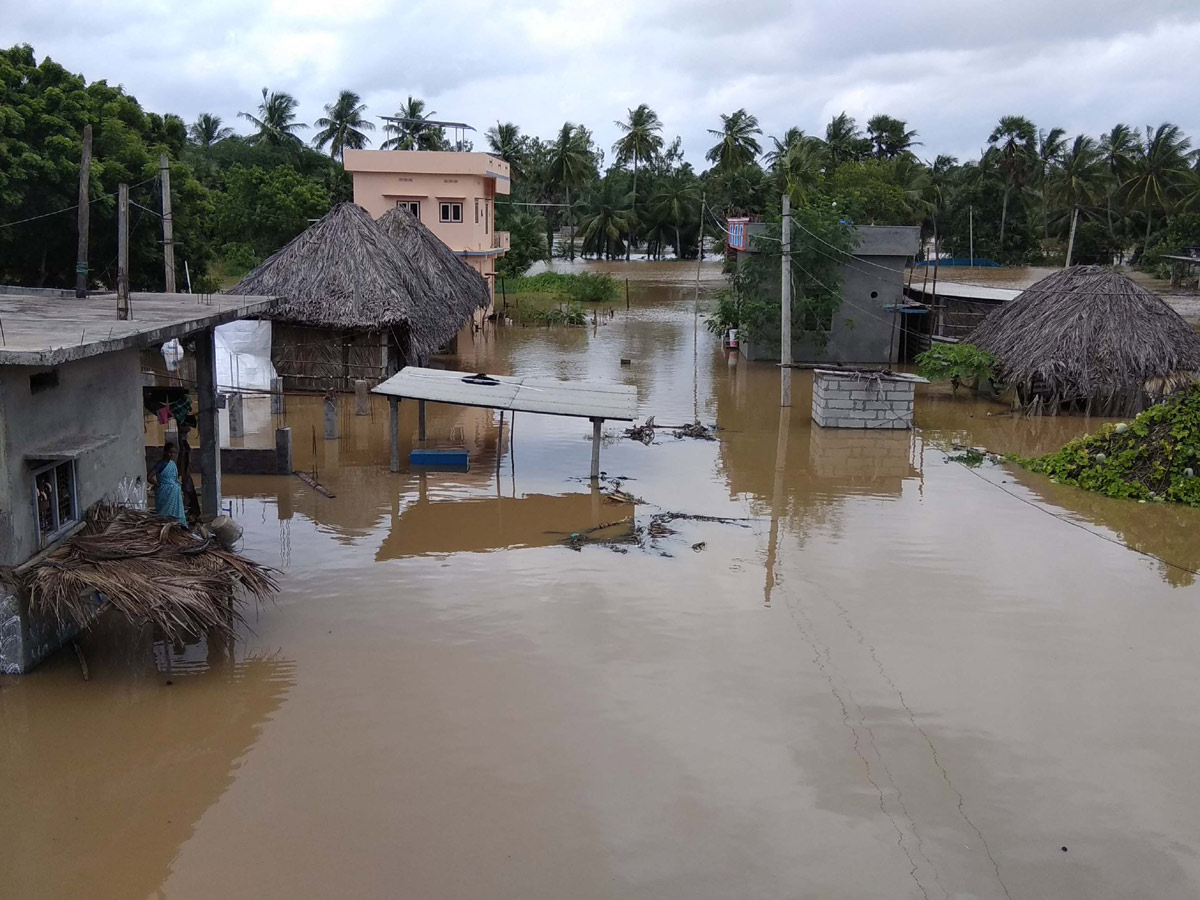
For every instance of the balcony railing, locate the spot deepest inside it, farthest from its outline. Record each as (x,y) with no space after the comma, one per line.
(500,240)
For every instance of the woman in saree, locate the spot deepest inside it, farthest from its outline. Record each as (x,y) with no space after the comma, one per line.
(168,491)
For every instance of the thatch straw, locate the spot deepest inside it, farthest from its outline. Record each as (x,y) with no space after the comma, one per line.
(346,272)
(1087,339)
(146,567)
(456,290)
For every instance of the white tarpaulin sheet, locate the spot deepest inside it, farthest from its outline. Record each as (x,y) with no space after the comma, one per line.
(244,356)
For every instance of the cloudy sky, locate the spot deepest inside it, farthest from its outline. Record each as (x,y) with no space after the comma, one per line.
(950,67)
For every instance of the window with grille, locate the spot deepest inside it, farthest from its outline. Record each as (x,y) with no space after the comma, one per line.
(413,206)
(452,212)
(55,500)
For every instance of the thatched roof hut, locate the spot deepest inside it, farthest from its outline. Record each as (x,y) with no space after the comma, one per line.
(453,282)
(347,274)
(1092,341)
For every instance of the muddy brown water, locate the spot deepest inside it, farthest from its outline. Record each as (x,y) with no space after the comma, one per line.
(897,677)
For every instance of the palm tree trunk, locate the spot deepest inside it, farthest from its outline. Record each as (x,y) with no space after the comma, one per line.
(571,224)
(678,245)
(1003,218)
(1147,244)
(629,243)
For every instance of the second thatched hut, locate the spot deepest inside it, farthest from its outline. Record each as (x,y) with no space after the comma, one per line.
(360,304)
(1089,340)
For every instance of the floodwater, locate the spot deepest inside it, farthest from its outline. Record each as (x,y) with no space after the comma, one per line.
(890,677)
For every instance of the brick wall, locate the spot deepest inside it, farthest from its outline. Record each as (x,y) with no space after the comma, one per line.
(847,399)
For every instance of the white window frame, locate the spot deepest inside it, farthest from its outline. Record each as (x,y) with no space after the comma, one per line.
(446,210)
(60,525)
(413,206)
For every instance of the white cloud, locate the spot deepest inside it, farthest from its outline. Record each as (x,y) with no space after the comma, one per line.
(951,68)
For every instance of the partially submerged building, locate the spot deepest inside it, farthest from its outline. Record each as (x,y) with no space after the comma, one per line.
(1089,340)
(358,304)
(71,425)
(452,194)
(867,323)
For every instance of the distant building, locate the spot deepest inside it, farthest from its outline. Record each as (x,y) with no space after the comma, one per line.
(869,321)
(72,425)
(452,194)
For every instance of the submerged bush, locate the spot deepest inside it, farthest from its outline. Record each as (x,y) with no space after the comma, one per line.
(1154,457)
(572,314)
(956,363)
(581,287)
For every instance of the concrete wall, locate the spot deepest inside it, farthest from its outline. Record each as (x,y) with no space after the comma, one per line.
(99,395)
(862,400)
(861,331)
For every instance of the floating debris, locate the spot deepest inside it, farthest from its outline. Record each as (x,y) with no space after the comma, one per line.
(697,431)
(643,433)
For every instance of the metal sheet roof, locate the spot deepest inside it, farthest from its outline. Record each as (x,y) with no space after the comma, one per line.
(961,291)
(584,399)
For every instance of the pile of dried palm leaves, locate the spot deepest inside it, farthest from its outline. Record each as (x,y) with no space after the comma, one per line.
(147,568)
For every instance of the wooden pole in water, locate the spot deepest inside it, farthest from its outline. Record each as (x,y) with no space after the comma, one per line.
(81,257)
(626,293)
(123,251)
(785,307)
(596,423)
(421,421)
(168,223)
(394,431)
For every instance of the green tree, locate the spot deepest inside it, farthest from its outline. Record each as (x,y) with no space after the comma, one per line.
(505,141)
(677,202)
(264,209)
(1161,167)
(1119,148)
(890,137)
(1014,140)
(410,129)
(276,119)
(208,130)
(605,218)
(1051,146)
(844,141)
(343,126)
(527,241)
(569,165)
(737,146)
(641,140)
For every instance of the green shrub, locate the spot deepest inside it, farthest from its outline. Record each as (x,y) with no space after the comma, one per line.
(582,287)
(1154,457)
(956,363)
(571,314)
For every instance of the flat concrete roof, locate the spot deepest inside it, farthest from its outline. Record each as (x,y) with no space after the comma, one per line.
(960,291)
(47,331)
(585,399)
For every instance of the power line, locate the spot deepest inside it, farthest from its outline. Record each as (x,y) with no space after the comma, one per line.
(70,208)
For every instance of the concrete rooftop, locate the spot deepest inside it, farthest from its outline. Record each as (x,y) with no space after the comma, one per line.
(39,330)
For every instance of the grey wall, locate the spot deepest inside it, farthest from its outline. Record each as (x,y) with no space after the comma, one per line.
(862,327)
(97,395)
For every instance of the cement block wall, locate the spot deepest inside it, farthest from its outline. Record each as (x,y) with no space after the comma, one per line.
(862,400)
(94,396)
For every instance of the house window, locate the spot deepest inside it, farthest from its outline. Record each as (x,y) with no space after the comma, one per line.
(451,212)
(55,499)
(413,206)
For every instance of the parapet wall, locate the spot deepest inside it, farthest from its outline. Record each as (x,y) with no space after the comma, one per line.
(853,399)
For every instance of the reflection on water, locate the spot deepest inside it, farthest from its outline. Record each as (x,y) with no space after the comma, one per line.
(886,678)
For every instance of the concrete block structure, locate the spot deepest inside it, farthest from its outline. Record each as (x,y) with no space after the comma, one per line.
(846,398)
(71,426)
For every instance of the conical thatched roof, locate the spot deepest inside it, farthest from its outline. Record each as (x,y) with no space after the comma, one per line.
(1087,335)
(455,282)
(345,271)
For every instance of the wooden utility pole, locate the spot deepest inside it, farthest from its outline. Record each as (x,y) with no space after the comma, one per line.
(123,251)
(785,307)
(164,166)
(1071,239)
(971,213)
(85,171)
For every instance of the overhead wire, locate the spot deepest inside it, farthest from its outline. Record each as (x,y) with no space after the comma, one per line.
(70,208)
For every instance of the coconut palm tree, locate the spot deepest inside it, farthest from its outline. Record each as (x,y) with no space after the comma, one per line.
(569,165)
(890,137)
(605,218)
(641,140)
(1051,145)
(800,168)
(737,146)
(276,120)
(208,130)
(1119,148)
(413,132)
(844,141)
(1162,166)
(1014,140)
(343,125)
(1077,183)
(505,141)
(676,201)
